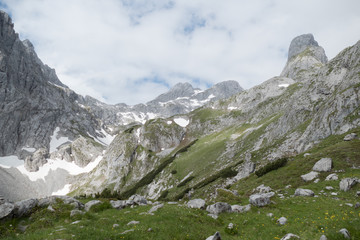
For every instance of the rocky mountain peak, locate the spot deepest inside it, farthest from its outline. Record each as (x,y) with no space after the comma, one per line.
(177,91)
(304,54)
(300,43)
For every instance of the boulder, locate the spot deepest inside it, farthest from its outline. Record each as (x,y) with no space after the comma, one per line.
(219,207)
(240,209)
(259,200)
(76,212)
(332,177)
(282,221)
(216,236)
(304,192)
(350,137)
(310,176)
(155,208)
(50,208)
(323,237)
(133,223)
(6,209)
(290,236)
(262,189)
(24,207)
(90,204)
(347,183)
(345,233)
(139,200)
(323,165)
(196,203)
(119,204)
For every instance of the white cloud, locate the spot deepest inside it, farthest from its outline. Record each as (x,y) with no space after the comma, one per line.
(132,50)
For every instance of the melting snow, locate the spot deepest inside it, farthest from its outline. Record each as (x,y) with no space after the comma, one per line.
(198,91)
(65,190)
(285,85)
(181,122)
(56,142)
(29,149)
(169,122)
(52,164)
(107,139)
(10,161)
(232,108)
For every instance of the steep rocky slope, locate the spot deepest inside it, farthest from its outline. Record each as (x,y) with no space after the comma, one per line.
(48,129)
(223,141)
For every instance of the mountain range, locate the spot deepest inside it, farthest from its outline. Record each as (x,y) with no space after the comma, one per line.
(56,141)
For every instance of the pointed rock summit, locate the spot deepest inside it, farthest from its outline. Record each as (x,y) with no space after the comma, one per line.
(304,54)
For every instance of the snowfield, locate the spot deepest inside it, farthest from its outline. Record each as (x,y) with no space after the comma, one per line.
(182,122)
(54,164)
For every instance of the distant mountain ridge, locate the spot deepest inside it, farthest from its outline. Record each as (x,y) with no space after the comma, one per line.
(42,119)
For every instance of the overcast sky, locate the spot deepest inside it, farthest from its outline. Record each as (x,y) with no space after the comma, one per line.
(133,50)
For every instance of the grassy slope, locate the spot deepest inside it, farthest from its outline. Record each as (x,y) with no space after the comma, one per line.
(307,217)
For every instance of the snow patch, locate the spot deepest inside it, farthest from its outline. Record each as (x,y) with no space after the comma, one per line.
(57,141)
(232,108)
(65,190)
(197,92)
(169,122)
(285,85)
(107,139)
(10,161)
(182,122)
(54,164)
(211,96)
(29,149)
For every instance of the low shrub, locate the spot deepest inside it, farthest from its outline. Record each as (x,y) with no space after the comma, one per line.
(271,166)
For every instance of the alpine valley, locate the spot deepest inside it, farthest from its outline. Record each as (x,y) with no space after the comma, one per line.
(278,161)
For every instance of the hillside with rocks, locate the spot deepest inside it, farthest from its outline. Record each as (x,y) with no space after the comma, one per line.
(50,133)
(280,160)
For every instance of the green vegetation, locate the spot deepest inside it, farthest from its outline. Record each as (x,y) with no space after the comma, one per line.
(271,166)
(307,217)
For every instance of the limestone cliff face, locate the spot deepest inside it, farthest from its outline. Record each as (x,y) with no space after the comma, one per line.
(282,117)
(33,101)
(304,54)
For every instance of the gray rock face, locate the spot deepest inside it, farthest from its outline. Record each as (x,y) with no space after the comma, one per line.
(259,200)
(304,192)
(323,165)
(38,159)
(301,43)
(24,207)
(310,176)
(91,203)
(347,183)
(6,209)
(219,207)
(196,203)
(304,54)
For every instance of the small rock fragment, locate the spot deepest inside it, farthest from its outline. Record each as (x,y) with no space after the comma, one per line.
(290,236)
(345,233)
(282,221)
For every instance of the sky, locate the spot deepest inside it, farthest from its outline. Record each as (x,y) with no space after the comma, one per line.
(130,51)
